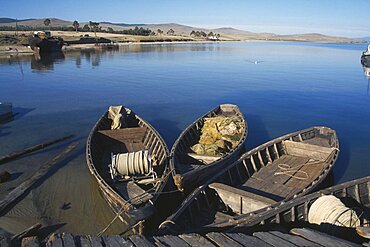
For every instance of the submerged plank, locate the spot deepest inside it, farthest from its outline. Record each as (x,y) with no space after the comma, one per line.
(222,240)
(23,187)
(196,240)
(27,232)
(321,238)
(273,240)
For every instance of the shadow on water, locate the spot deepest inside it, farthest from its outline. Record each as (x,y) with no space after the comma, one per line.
(257,132)
(343,160)
(167,129)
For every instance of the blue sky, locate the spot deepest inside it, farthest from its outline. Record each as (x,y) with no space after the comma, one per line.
(333,17)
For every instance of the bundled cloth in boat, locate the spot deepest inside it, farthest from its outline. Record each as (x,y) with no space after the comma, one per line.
(115,114)
(219,135)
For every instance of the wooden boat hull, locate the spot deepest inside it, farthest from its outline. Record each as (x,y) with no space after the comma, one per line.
(296,211)
(365,60)
(243,187)
(189,179)
(133,211)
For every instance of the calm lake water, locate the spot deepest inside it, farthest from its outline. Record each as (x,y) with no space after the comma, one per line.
(291,86)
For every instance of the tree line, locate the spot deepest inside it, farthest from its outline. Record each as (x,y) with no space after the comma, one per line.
(95,27)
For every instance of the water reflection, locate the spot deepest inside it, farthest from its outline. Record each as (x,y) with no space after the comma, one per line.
(46,61)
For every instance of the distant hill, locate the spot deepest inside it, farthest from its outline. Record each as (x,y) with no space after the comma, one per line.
(227,33)
(10,20)
(367,39)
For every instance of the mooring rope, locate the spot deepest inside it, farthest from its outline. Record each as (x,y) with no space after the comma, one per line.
(286,169)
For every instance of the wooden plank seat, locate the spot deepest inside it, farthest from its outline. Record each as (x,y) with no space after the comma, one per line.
(311,151)
(241,201)
(132,138)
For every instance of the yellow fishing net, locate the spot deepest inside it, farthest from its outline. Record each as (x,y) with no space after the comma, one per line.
(219,135)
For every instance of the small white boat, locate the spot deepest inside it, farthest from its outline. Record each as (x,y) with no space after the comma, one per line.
(6,111)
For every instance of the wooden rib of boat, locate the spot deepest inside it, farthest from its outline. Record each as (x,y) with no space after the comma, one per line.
(133,199)
(190,170)
(288,166)
(355,194)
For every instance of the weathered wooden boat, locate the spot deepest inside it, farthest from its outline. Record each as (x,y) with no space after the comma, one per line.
(278,170)
(6,111)
(132,197)
(365,57)
(355,195)
(43,42)
(189,169)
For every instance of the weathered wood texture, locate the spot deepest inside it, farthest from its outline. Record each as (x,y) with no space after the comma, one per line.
(17,154)
(322,238)
(196,240)
(23,187)
(30,242)
(297,237)
(222,240)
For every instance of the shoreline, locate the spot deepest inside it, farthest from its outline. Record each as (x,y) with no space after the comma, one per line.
(8,49)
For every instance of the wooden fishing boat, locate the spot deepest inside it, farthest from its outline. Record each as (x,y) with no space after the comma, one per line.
(132,197)
(189,169)
(355,195)
(286,167)
(6,111)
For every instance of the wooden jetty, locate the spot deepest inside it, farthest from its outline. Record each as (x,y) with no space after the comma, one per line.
(292,238)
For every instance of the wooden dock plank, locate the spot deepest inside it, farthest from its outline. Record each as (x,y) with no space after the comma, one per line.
(196,240)
(299,241)
(5,242)
(169,240)
(29,242)
(273,240)
(83,241)
(95,241)
(116,241)
(54,240)
(321,238)
(246,240)
(222,240)
(140,241)
(68,240)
